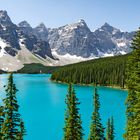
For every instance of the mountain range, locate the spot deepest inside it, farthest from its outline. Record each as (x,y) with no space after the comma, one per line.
(21,44)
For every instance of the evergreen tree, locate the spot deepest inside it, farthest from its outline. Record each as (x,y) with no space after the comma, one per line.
(1,119)
(112,129)
(73,124)
(11,124)
(110,135)
(96,129)
(22,130)
(133,84)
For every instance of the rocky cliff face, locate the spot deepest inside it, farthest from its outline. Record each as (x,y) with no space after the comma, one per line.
(9,33)
(74,39)
(77,39)
(13,39)
(113,41)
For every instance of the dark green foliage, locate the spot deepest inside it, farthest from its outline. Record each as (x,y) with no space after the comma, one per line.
(1,71)
(1,119)
(37,68)
(96,129)
(133,84)
(22,132)
(110,135)
(73,124)
(104,71)
(11,124)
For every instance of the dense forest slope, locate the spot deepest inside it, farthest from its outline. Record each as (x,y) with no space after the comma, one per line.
(37,68)
(108,71)
(1,71)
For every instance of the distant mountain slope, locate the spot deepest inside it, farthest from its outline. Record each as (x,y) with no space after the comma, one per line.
(17,48)
(37,68)
(77,39)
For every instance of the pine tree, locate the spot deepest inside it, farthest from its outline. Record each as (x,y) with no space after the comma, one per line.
(133,84)
(96,129)
(110,135)
(73,124)
(112,129)
(22,132)
(1,119)
(11,124)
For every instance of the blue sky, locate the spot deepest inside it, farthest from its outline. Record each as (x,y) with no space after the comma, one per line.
(123,14)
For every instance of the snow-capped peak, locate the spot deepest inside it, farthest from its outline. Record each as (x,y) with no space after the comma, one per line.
(81,22)
(77,25)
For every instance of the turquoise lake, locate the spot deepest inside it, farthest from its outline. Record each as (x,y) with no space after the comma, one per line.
(42,106)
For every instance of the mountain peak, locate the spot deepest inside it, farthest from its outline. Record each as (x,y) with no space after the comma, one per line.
(108,28)
(41,25)
(41,28)
(24,24)
(106,25)
(3,13)
(82,22)
(4,17)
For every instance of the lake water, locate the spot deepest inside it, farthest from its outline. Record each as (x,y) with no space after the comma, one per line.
(42,106)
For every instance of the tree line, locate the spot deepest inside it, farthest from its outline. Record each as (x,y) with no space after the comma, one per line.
(108,71)
(133,85)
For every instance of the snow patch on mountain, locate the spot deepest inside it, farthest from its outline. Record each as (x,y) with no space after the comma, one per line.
(123,52)
(66,59)
(2,46)
(121,44)
(102,54)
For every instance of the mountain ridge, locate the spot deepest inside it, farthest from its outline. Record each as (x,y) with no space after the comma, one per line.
(13,43)
(22,44)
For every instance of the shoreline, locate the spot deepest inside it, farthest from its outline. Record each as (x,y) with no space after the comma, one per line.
(78,84)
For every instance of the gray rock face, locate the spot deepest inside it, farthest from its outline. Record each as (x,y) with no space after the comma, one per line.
(74,39)
(112,40)
(12,34)
(25,27)
(36,46)
(8,32)
(77,39)
(41,32)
